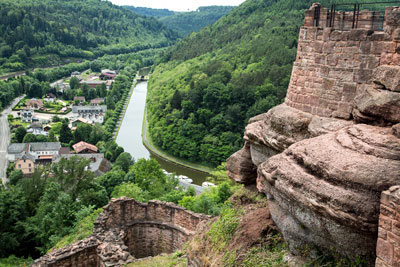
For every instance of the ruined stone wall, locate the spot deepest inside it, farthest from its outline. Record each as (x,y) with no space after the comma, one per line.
(388,246)
(331,65)
(151,239)
(128,229)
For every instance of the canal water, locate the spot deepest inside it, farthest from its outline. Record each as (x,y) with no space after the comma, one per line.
(130,136)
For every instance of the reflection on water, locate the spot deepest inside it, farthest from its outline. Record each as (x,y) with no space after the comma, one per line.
(130,136)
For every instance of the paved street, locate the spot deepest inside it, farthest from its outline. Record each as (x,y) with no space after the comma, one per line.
(5,138)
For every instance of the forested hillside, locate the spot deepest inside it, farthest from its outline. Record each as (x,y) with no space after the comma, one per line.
(47,32)
(185,22)
(206,87)
(151,12)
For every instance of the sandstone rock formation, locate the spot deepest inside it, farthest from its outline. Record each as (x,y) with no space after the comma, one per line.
(325,191)
(271,133)
(128,229)
(317,159)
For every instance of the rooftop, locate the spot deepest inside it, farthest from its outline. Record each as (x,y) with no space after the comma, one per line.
(79,147)
(55,146)
(17,148)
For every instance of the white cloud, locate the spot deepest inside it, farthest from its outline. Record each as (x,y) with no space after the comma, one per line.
(177,5)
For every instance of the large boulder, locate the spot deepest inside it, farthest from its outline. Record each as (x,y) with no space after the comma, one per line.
(377,106)
(240,167)
(387,77)
(324,192)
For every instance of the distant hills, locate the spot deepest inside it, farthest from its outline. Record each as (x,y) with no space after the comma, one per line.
(185,22)
(49,31)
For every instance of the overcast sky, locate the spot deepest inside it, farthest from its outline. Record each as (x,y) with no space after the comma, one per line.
(177,5)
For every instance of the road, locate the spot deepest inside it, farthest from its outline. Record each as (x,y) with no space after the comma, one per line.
(5,138)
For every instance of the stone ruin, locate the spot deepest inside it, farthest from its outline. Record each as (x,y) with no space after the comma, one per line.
(127,230)
(324,156)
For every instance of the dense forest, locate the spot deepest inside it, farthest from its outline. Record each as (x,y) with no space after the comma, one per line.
(185,22)
(48,32)
(208,85)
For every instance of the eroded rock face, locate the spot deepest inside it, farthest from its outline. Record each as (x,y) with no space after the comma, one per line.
(270,133)
(240,166)
(325,191)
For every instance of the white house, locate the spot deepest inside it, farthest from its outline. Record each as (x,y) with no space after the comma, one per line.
(40,150)
(27,115)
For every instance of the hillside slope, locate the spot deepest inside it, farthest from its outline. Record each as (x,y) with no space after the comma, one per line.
(185,22)
(44,32)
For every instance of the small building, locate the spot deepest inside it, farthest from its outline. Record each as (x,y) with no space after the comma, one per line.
(61,87)
(98,163)
(38,150)
(16,150)
(27,115)
(63,151)
(78,121)
(50,98)
(107,74)
(96,101)
(84,148)
(92,84)
(25,163)
(81,110)
(34,103)
(75,73)
(81,99)
(36,129)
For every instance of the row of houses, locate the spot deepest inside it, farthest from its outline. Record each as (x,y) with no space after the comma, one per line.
(27,156)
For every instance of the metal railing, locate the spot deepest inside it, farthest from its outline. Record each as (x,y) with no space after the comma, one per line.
(353,16)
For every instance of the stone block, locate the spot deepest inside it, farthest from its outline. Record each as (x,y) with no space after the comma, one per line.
(382,233)
(393,239)
(332,60)
(365,47)
(358,35)
(389,47)
(377,48)
(396,34)
(384,250)
(337,36)
(385,222)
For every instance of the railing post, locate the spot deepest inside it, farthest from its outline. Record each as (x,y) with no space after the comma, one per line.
(317,13)
(354,16)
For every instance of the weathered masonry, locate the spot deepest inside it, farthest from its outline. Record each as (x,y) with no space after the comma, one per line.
(333,64)
(127,230)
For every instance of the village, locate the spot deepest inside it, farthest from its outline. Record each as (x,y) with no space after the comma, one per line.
(38,125)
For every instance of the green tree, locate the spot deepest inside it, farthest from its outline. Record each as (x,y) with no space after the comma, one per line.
(124,160)
(12,213)
(29,138)
(74,83)
(20,133)
(83,133)
(130,190)
(15,176)
(65,133)
(149,177)
(111,179)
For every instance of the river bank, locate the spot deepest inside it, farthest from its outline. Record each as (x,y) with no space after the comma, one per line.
(147,142)
(133,137)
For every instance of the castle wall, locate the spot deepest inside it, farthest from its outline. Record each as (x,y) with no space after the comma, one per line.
(388,246)
(331,65)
